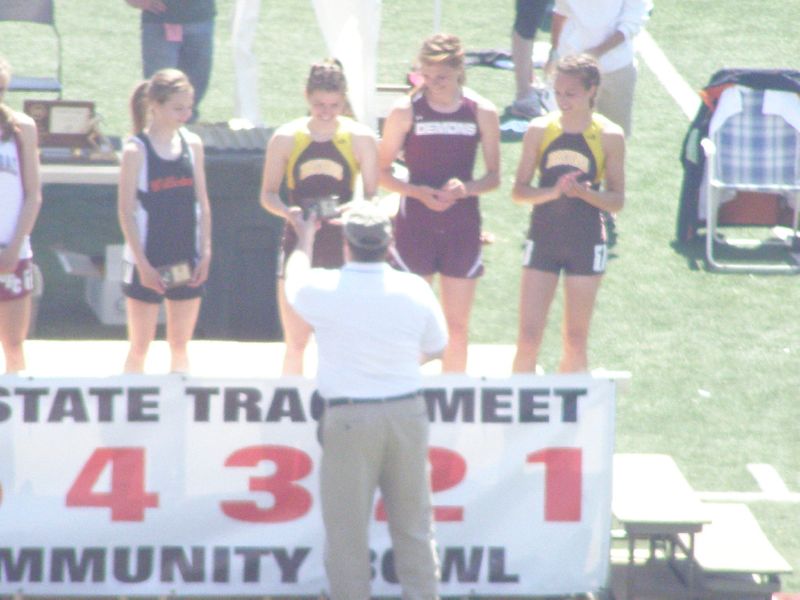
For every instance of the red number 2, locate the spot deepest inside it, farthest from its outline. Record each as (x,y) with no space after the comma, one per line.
(448,469)
(127,498)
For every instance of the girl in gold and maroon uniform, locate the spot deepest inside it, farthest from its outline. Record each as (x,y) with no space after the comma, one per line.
(316,156)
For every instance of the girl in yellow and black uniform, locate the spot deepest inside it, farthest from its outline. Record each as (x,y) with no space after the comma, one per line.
(575,150)
(316,169)
(569,233)
(316,156)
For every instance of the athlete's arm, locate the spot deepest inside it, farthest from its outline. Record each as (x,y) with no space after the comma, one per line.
(279,150)
(201,193)
(130,165)
(523,192)
(365,148)
(395,129)
(31,184)
(612,197)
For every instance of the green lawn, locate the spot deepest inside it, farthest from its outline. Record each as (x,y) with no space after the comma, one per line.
(714,358)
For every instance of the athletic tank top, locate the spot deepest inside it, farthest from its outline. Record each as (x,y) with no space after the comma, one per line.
(562,153)
(440,146)
(318,169)
(321,168)
(12,193)
(167,208)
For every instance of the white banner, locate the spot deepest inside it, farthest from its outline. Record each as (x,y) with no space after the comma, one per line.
(153,485)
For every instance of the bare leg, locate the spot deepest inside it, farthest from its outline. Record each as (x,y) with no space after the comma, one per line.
(15,316)
(457,295)
(537,290)
(521,51)
(181,320)
(580,293)
(296,333)
(142,321)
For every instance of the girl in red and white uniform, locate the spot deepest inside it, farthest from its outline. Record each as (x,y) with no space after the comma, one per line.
(20,201)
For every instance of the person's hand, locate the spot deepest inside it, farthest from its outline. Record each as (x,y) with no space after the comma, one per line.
(342,210)
(8,260)
(436,200)
(153,6)
(453,191)
(150,278)
(200,273)
(569,185)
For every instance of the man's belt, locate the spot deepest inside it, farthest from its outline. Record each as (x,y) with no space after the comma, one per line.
(345,400)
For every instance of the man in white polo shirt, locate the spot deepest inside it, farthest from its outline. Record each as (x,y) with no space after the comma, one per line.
(373,326)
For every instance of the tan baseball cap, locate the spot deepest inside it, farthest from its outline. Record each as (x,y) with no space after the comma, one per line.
(367,226)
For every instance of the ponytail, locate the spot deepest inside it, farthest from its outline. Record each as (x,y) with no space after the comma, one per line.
(157,89)
(138,107)
(8,124)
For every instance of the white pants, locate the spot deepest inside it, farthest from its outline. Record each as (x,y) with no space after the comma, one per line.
(615,97)
(245,63)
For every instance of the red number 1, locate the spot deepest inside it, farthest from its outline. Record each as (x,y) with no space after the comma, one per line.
(562,482)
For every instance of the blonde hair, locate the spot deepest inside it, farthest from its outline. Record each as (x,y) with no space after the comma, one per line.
(158,89)
(443,49)
(8,124)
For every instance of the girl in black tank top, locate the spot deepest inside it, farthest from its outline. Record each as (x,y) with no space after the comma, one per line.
(574,150)
(318,155)
(165,218)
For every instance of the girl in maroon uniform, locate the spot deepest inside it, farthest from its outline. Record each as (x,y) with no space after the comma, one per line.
(20,200)
(438,226)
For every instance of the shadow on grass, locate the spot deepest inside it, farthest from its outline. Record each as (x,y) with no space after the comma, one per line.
(760,257)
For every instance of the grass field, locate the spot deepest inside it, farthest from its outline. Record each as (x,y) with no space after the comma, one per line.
(714,358)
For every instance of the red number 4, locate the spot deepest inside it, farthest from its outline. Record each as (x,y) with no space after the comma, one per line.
(127,497)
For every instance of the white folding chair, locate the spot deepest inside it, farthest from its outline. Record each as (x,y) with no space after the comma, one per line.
(753,146)
(40,12)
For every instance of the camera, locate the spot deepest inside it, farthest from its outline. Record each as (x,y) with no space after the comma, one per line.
(322,208)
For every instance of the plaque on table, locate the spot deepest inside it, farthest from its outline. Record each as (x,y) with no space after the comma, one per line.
(69,133)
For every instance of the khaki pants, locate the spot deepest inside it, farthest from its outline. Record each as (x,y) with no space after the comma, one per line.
(615,97)
(370,446)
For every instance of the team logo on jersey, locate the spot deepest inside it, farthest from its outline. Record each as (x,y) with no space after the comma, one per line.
(170,183)
(321,166)
(568,158)
(445,128)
